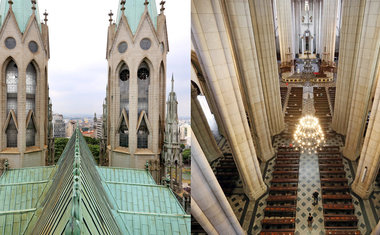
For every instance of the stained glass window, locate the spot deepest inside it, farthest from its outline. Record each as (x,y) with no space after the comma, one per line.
(143,82)
(11,134)
(124,88)
(124,134)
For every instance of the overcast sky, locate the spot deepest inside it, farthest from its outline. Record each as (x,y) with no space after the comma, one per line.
(78,67)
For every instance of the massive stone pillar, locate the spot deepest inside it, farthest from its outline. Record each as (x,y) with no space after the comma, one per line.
(370,155)
(366,76)
(202,130)
(285,29)
(329,19)
(352,14)
(211,43)
(262,22)
(212,209)
(247,70)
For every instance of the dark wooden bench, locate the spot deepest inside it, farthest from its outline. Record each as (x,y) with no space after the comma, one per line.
(277,232)
(288,198)
(343,232)
(283,189)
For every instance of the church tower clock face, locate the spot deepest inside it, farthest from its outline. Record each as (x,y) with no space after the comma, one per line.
(33,46)
(10,43)
(122,48)
(145,44)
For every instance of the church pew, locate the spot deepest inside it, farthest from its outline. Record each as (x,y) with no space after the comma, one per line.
(337,197)
(280,211)
(333,180)
(283,189)
(336,188)
(281,198)
(278,232)
(343,232)
(284,180)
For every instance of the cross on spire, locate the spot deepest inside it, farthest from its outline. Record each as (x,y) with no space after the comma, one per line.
(122,5)
(34,5)
(46,15)
(10,2)
(162,3)
(110,15)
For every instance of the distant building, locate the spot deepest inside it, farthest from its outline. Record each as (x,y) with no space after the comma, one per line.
(59,126)
(99,128)
(184,134)
(70,128)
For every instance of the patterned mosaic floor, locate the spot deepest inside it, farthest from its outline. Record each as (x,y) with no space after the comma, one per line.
(308,183)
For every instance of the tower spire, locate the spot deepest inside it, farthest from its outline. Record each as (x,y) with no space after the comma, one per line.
(172,82)
(162,3)
(146,3)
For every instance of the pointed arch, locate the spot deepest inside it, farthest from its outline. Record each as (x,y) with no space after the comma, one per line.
(123,78)
(11,130)
(123,127)
(144,72)
(31,86)
(31,129)
(143,131)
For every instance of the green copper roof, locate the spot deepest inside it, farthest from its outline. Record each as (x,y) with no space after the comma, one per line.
(44,200)
(22,10)
(134,9)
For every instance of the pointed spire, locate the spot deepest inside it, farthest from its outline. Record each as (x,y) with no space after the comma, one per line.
(110,15)
(34,5)
(146,3)
(122,5)
(46,15)
(162,3)
(172,82)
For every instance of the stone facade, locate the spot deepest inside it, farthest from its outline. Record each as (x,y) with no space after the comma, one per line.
(24,56)
(136,86)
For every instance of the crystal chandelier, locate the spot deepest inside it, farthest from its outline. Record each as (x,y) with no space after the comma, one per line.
(308,135)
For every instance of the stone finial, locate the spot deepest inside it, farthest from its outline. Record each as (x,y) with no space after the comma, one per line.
(46,15)
(110,15)
(162,3)
(34,5)
(147,166)
(122,5)
(10,2)
(146,3)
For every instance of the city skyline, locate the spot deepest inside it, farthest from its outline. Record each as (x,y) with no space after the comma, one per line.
(78,70)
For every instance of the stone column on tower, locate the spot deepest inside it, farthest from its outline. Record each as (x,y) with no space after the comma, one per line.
(370,155)
(285,29)
(366,76)
(329,20)
(210,40)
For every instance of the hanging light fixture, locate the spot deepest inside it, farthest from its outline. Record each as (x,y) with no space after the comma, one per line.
(308,135)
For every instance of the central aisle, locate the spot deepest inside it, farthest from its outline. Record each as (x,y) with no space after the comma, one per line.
(309,182)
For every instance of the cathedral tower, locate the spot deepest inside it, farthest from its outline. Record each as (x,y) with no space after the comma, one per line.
(136,52)
(24,55)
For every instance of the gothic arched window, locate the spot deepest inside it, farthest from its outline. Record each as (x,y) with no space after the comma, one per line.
(12,84)
(12,87)
(143,81)
(124,88)
(142,135)
(31,84)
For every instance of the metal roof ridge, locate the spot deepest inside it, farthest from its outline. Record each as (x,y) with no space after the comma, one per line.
(17,211)
(155,214)
(135,184)
(31,182)
(120,168)
(75,222)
